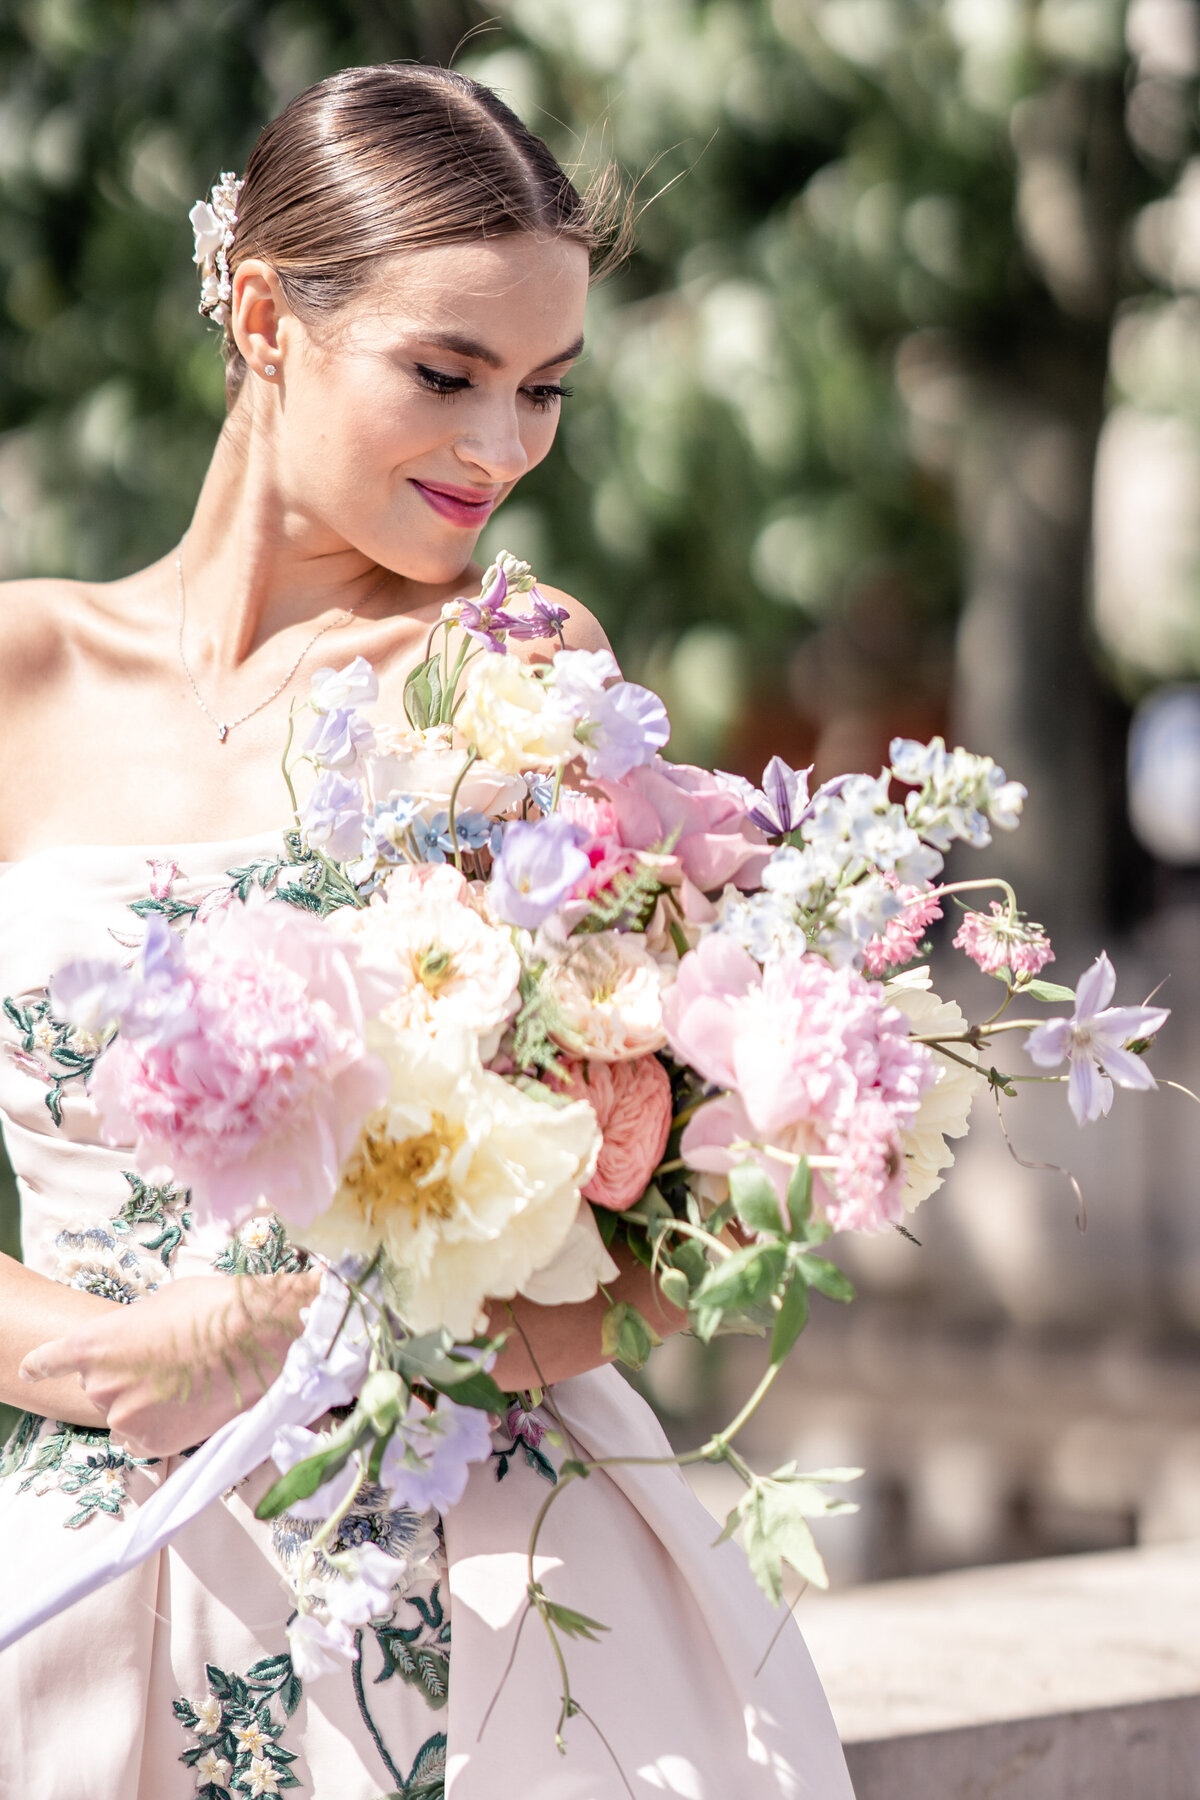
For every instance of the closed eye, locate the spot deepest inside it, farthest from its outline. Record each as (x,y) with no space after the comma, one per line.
(543,396)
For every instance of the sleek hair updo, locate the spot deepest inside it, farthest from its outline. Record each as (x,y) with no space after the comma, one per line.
(400,156)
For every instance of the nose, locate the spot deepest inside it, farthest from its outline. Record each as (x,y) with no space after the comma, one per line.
(494,443)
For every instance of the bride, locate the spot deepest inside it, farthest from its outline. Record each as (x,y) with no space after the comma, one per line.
(400,279)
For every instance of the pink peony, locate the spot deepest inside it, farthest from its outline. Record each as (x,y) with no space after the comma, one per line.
(814,1061)
(1004,942)
(246,1078)
(632,1104)
(700,818)
(901,937)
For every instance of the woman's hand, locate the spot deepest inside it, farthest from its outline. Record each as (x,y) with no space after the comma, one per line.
(550,1343)
(169,1370)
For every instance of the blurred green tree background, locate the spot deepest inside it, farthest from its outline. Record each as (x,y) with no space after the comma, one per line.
(869,233)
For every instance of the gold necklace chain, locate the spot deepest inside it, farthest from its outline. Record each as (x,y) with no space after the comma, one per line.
(225,727)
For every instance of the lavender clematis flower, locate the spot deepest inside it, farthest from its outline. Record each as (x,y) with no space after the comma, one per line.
(780,805)
(428,1460)
(339,738)
(332,819)
(536,869)
(355,685)
(1094,1041)
(543,620)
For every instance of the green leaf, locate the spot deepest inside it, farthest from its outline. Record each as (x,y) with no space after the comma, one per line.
(625,1334)
(826,1277)
(799,1199)
(779,1530)
(606,1223)
(423,695)
(304,1478)
(572,1466)
(747,1278)
(790,1320)
(754,1199)
(676,1288)
(429,1359)
(574,1624)
(1046,990)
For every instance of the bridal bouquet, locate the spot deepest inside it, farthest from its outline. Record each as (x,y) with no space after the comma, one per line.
(525,1002)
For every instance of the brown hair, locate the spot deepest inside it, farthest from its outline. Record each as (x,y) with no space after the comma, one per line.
(401,156)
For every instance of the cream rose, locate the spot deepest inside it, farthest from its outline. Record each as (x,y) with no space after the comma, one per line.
(607,992)
(425,765)
(514,720)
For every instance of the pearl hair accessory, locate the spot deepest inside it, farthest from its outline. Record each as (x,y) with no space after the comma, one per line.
(213,222)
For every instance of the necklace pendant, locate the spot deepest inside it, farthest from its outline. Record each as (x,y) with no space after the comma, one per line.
(222,733)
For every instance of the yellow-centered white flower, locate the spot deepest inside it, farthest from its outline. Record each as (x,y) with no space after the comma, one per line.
(470,1184)
(945,1107)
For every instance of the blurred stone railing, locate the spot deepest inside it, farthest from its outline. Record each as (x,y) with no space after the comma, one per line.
(1076,1678)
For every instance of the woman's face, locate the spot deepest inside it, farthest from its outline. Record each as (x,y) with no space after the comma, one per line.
(405,420)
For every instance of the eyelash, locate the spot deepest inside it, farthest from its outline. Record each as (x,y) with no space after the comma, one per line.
(445,387)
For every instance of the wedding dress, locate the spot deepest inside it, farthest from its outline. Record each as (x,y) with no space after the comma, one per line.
(175,1680)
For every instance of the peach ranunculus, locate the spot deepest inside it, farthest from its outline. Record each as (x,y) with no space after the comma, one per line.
(633,1108)
(425,766)
(425,935)
(606,994)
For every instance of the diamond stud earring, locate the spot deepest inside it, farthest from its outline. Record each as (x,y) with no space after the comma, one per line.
(268,368)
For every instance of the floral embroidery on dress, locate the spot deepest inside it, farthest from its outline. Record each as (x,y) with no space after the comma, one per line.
(166,1207)
(237,1748)
(90,1258)
(426,1780)
(51,1050)
(261,1247)
(71,1459)
(419,1653)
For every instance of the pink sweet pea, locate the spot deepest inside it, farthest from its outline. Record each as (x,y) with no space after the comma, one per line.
(700,817)
(240,1068)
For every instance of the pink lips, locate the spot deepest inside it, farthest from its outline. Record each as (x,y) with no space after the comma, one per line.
(461,505)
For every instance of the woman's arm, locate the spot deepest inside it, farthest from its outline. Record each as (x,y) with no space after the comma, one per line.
(550,1343)
(34,1309)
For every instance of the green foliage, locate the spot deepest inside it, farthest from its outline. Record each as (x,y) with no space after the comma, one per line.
(625,1334)
(773,1515)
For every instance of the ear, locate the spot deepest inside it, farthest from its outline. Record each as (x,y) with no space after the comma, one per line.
(260,319)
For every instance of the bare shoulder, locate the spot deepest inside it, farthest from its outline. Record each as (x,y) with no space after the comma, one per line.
(582,630)
(35,630)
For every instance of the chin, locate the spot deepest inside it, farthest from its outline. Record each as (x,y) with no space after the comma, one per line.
(430,563)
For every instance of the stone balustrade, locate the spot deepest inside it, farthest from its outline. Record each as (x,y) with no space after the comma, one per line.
(1072,1678)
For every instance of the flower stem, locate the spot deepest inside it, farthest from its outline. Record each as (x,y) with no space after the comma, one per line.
(472,756)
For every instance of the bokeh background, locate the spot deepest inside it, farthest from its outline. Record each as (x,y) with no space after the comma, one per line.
(891,424)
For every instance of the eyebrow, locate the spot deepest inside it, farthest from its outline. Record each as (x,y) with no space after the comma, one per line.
(463,346)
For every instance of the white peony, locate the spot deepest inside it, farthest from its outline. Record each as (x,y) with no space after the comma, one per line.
(447,964)
(513,719)
(425,765)
(469,1183)
(946,1107)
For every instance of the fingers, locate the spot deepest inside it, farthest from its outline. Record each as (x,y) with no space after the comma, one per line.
(59,1357)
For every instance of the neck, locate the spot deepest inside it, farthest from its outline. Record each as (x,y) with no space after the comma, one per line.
(255,564)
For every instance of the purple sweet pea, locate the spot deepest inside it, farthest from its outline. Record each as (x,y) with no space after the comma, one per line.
(626,728)
(332,818)
(339,738)
(94,994)
(1094,1041)
(427,1461)
(355,685)
(536,869)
